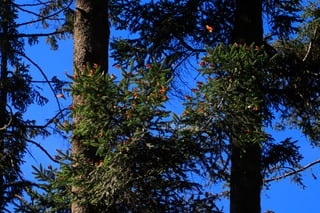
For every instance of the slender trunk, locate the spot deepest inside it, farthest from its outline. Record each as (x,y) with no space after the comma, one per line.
(91,39)
(4,47)
(246,178)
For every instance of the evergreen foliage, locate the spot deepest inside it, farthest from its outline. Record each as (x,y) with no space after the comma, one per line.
(179,29)
(143,154)
(142,161)
(17,93)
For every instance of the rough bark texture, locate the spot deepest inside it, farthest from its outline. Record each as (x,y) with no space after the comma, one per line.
(91,40)
(246,178)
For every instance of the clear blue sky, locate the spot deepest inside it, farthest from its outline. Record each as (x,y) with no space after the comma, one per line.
(283,197)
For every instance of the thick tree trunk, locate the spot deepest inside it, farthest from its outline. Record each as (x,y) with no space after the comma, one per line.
(91,40)
(248,25)
(246,178)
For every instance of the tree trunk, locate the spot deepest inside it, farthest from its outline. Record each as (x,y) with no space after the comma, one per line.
(248,25)
(91,41)
(246,178)
(4,47)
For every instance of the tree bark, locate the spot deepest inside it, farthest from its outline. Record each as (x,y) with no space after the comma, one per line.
(246,178)
(4,47)
(248,27)
(91,41)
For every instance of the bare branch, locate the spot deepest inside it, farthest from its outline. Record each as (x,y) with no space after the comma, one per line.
(188,47)
(44,75)
(41,82)
(43,149)
(293,172)
(52,120)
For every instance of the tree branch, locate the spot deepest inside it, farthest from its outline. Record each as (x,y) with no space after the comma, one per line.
(10,120)
(49,122)
(293,172)
(23,201)
(44,75)
(310,44)
(43,149)
(22,183)
(32,4)
(42,18)
(39,34)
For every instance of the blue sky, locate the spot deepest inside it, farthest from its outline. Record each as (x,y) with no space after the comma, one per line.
(284,196)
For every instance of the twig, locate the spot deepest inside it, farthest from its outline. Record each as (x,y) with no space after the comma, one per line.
(293,172)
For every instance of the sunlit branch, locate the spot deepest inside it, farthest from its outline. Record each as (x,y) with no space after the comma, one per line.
(310,44)
(10,120)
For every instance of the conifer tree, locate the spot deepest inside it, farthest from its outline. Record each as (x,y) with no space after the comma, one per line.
(191,23)
(130,144)
(115,127)
(17,92)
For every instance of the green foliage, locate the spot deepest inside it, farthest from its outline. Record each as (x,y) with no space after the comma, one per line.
(171,28)
(141,162)
(141,156)
(55,11)
(300,76)
(236,103)
(51,194)
(140,166)
(17,93)
(177,28)
(232,98)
